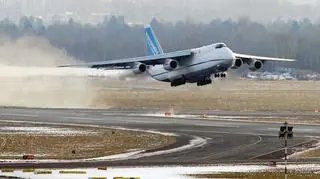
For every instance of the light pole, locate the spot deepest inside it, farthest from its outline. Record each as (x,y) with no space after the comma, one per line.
(286,133)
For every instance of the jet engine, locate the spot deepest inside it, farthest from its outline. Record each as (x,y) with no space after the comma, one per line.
(139,68)
(255,65)
(170,64)
(237,63)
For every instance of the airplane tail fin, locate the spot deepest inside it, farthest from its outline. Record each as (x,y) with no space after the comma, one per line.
(153,45)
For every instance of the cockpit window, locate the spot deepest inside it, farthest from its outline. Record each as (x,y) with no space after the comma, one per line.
(220,46)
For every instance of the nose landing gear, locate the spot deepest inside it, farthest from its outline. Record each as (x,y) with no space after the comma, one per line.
(220,75)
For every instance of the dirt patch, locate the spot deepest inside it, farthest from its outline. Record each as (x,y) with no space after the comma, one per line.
(315,153)
(235,95)
(73,142)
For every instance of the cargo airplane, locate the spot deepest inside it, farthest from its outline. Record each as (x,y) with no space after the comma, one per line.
(198,65)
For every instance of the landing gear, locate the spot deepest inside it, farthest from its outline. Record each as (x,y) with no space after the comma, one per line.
(204,82)
(178,83)
(220,75)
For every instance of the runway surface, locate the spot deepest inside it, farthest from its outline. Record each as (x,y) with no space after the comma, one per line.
(227,140)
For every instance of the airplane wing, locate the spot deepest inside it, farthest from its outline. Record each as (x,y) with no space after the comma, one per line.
(245,57)
(129,62)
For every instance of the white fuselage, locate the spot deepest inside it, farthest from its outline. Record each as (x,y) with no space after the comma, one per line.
(204,62)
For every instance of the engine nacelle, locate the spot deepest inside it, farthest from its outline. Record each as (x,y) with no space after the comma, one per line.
(237,63)
(139,68)
(170,64)
(255,65)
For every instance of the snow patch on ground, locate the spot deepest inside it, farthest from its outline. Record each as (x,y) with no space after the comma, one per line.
(118,156)
(164,115)
(148,131)
(194,143)
(44,131)
(242,117)
(13,154)
(190,116)
(263,119)
(175,172)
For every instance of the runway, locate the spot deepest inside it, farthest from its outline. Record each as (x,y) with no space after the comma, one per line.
(227,140)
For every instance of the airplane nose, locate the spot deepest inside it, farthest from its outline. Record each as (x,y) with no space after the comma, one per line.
(230,57)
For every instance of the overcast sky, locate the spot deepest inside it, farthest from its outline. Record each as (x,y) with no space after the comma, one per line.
(167,10)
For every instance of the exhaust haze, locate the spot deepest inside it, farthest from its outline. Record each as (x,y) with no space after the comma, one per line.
(29,76)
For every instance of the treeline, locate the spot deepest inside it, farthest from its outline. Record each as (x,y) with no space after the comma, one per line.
(114,38)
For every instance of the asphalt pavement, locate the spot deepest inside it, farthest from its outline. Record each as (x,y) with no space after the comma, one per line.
(227,140)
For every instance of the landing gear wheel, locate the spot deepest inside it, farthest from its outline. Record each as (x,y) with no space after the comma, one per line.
(204,82)
(220,75)
(177,83)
